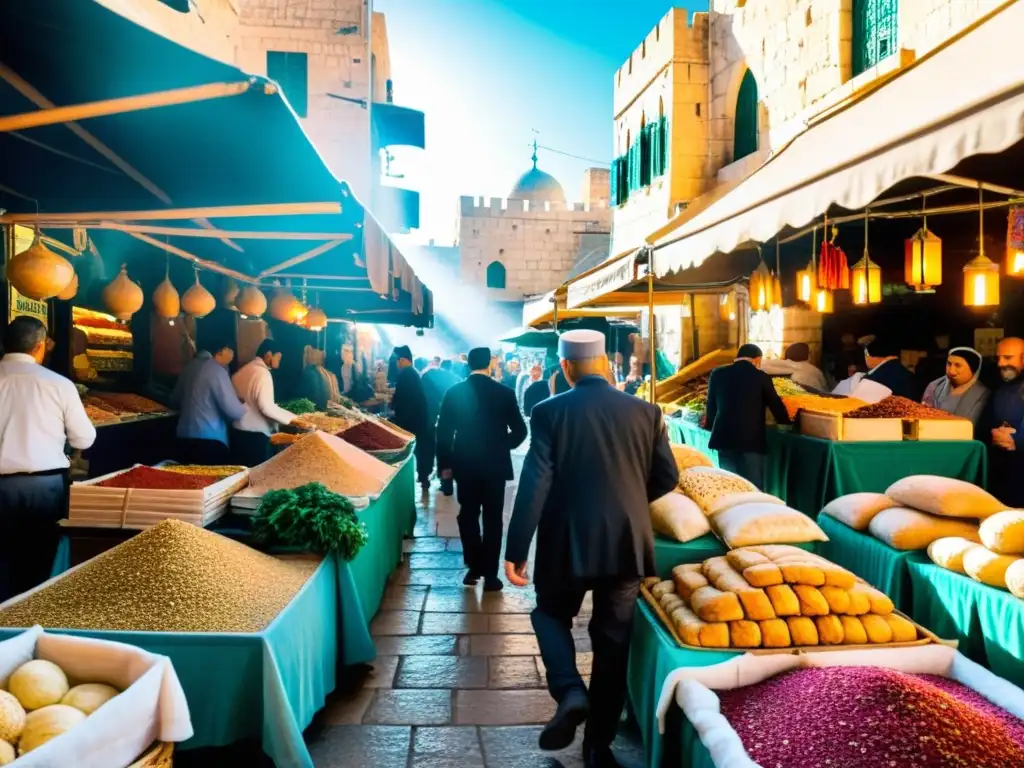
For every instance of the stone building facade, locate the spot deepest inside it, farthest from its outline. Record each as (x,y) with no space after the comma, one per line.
(529,243)
(738,83)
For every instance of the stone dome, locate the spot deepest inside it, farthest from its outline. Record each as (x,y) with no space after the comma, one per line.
(537,186)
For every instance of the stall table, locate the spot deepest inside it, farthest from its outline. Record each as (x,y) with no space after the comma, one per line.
(687,433)
(139,440)
(988,622)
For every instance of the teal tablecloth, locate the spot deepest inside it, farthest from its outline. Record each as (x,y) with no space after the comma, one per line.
(668,553)
(808,472)
(874,561)
(688,433)
(988,622)
(653,654)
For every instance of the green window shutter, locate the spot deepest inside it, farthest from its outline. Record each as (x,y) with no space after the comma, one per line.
(624,178)
(659,134)
(645,156)
(875,28)
(291,71)
(613,181)
(655,150)
(745,129)
(664,145)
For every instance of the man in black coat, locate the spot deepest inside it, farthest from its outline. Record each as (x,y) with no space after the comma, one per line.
(884,367)
(409,407)
(477,429)
(436,382)
(738,395)
(597,458)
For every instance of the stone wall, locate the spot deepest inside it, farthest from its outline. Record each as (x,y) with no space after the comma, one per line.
(596,187)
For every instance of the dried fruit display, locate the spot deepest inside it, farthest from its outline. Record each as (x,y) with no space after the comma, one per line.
(99,415)
(896,407)
(173,577)
(869,716)
(158,479)
(130,403)
(372,437)
(795,403)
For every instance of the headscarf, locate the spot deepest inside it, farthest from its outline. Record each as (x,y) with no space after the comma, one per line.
(973,359)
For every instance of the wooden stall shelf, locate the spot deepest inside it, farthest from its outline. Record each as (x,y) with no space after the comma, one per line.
(836,427)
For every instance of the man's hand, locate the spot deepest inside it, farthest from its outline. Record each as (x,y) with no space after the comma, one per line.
(516,574)
(1002,437)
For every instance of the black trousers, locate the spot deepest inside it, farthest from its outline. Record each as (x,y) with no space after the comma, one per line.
(30,506)
(425,450)
(249,449)
(210,453)
(610,628)
(484,497)
(747,465)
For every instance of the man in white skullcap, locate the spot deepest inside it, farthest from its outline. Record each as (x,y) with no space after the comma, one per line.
(597,458)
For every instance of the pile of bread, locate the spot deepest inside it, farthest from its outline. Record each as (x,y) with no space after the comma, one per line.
(963,527)
(776,596)
(712,499)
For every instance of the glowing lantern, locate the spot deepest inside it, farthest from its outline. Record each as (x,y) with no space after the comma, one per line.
(866,281)
(286,308)
(39,273)
(823,301)
(806,282)
(166,301)
(776,302)
(981,282)
(1015,262)
(251,301)
(198,301)
(727,307)
(761,288)
(316,319)
(923,260)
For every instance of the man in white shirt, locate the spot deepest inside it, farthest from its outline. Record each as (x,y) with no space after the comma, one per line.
(254,384)
(798,367)
(39,411)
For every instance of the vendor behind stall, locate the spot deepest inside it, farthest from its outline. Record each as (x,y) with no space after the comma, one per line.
(798,366)
(39,411)
(254,384)
(318,385)
(884,367)
(959,392)
(208,404)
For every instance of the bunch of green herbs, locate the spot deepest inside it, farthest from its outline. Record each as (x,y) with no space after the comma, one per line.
(310,517)
(299,406)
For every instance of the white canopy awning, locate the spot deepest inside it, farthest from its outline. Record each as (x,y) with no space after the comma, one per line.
(964,99)
(614,274)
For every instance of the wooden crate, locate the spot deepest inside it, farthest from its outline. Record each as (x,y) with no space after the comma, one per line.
(835,426)
(138,508)
(939,429)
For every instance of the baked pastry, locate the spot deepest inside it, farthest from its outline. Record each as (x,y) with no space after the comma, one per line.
(802,573)
(811,601)
(838,599)
(688,582)
(853,631)
(878,601)
(802,630)
(903,631)
(712,604)
(744,558)
(662,588)
(859,602)
(756,605)
(744,634)
(878,628)
(784,600)
(763,575)
(830,630)
(774,633)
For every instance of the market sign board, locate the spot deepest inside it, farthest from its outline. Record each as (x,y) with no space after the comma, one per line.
(22,305)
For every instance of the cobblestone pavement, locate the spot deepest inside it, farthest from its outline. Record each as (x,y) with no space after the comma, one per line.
(458,680)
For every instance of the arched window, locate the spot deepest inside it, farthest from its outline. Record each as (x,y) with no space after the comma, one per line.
(745,133)
(496,275)
(874,32)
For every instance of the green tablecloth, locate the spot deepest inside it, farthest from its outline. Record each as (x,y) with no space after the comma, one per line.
(264,686)
(988,622)
(653,654)
(668,553)
(874,561)
(808,472)
(688,433)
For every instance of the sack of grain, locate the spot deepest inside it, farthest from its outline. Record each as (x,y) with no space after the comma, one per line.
(908,529)
(948,552)
(687,457)
(944,496)
(983,565)
(705,485)
(750,524)
(677,517)
(857,509)
(1003,532)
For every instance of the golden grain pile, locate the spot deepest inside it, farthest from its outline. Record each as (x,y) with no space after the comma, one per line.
(173,577)
(326,459)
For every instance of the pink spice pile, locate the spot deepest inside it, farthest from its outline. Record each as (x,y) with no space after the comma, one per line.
(868,717)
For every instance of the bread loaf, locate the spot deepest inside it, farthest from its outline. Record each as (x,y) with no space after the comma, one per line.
(948,552)
(859,602)
(853,631)
(687,625)
(1003,533)
(775,551)
(838,599)
(712,605)
(830,630)
(803,573)
(802,630)
(774,633)
(687,582)
(662,588)
(987,567)
(903,631)
(763,575)
(877,628)
(878,602)
(744,634)
(838,577)
(756,605)
(744,558)
(670,602)
(1015,578)
(651,581)
(783,599)
(811,601)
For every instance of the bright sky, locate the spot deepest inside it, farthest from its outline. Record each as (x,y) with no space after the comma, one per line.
(488,72)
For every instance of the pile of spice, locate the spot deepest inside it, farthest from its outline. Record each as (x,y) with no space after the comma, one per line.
(323,422)
(286,438)
(896,407)
(861,717)
(158,480)
(173,577)
(99,415)
(372,437)
(130,403)
(326,459)
(201,469)
(795,403)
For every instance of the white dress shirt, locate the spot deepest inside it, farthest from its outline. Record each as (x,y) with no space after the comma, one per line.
(254,385)
(803,373)
(39,411)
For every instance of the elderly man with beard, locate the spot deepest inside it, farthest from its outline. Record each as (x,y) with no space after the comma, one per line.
(1006,458)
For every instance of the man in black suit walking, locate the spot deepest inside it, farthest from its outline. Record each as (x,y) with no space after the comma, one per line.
(478,427)
(409,406)
(738,395)
(597,458)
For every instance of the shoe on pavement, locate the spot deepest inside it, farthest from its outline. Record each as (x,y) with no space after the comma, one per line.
(599,757)
(493,585)
(471,579)
(560,732)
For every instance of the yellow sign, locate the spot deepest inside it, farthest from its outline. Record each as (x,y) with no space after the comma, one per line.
(22,305)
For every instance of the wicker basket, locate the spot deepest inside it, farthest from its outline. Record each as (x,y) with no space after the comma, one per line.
(160,755)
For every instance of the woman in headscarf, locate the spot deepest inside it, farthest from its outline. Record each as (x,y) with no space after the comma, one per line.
(959,392)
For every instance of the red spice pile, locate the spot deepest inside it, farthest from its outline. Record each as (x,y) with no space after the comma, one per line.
(867,717)
(372,437)
(158,479)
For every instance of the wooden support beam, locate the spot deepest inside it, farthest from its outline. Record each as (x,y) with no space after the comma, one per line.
(212,266)
(57,115)
(175,214)
(302,257)
(205,234)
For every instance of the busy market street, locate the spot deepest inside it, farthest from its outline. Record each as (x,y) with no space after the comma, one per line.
(511,384)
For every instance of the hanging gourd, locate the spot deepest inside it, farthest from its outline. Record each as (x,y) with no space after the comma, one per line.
(285,307)
(833,271)
(166,302)
(231,291)
(251,302)
(39,273)
(198,301)
(316,319)
(122,297)
(71,291)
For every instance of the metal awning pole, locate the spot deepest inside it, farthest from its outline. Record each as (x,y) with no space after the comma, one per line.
(652,327)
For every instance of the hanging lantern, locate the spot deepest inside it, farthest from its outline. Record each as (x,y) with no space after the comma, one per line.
(866,276)
(166,302)
(71,291)
(776,302)
(285,307)
(1015,242)
(727,307)
(923,258)
(198,301)
(251,302)
(39,273)
(231,291)
(122,297)
(806,283)
(981,274)
(761,289)
(823,301)
(316,319)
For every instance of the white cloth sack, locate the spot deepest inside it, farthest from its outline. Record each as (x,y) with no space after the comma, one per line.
(692,688)
(151,707)
(870,392)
